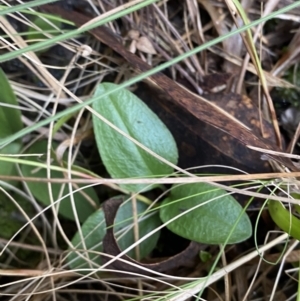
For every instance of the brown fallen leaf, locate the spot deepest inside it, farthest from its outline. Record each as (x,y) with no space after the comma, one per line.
(202,144)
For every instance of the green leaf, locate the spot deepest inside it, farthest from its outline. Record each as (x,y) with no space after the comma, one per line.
(45,26)
(94,230)
(10,123)
(11,218)
(9,168)
(10,118)
(121,157)
(210,223)
(284,219)
(40,190)
(205,256)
